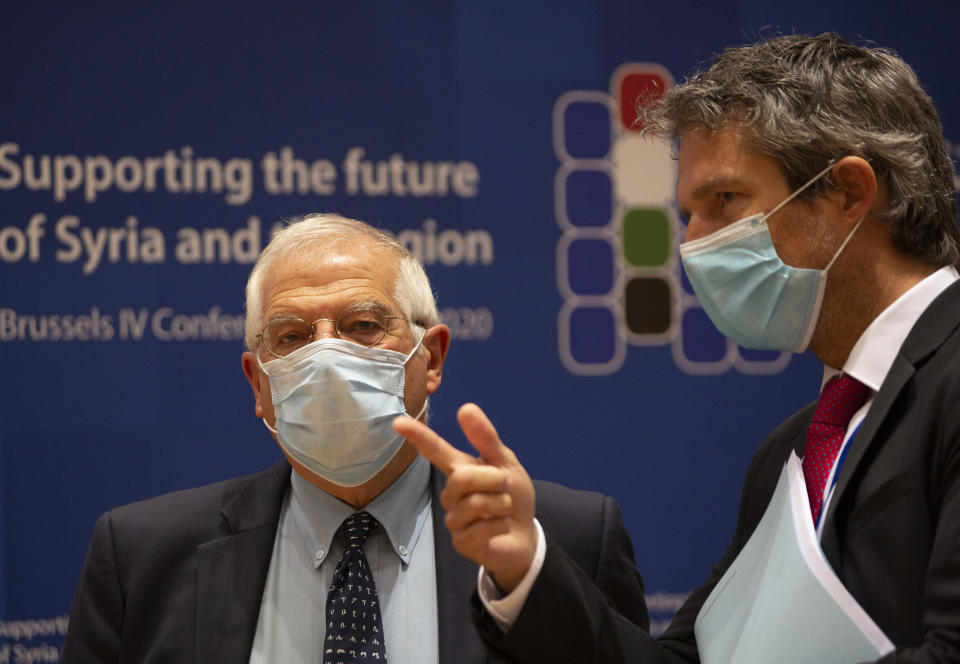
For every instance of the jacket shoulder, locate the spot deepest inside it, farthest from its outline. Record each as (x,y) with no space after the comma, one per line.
(557,502)
(190,514)
(586,524)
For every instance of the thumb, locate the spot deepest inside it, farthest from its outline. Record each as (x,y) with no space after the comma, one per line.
(483,436)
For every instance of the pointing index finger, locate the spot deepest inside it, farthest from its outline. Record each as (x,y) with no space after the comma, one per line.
(437,451)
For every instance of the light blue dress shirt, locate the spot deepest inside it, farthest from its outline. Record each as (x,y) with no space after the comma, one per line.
(291,626)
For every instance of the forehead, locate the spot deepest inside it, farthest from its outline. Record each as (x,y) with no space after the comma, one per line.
(323,279)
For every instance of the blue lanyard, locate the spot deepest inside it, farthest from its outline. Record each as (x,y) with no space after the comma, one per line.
(836,474)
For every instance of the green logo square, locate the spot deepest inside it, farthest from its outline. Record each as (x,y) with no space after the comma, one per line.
(646,237)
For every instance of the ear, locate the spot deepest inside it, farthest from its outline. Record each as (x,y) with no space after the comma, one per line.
(251,369)
(857,186)
(436,343)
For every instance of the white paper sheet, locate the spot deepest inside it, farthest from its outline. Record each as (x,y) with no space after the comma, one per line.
(780,601)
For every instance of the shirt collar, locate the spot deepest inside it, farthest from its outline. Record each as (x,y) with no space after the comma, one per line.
(873,354)
(401,509)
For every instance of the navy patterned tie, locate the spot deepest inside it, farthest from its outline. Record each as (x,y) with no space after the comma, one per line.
(354,628)
(842,396)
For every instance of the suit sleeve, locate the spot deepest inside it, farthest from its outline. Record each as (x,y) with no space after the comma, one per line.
(568,617)
(617,576)
(572,616)
(96,619)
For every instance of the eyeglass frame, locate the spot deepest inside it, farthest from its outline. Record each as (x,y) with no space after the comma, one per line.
(336,326)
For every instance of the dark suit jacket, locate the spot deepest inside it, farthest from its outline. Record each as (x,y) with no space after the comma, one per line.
(892,532)
(179,578)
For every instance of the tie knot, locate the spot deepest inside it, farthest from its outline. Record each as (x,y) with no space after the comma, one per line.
(842,396)
(356,528)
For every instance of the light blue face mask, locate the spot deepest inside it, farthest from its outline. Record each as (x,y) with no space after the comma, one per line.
(334,402)
(751,295)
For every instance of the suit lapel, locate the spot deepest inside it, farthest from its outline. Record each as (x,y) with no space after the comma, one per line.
(232,570)
(928,334)
(897,377)
(456,581)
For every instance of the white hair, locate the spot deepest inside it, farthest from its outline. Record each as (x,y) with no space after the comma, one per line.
(310,232)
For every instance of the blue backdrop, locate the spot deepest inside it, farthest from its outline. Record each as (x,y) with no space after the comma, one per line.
(146,151)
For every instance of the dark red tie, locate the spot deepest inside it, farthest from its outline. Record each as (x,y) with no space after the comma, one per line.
(842,396)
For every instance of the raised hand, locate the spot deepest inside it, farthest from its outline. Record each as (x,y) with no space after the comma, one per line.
(489,499)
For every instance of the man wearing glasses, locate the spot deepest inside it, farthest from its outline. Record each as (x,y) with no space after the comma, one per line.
(345,557)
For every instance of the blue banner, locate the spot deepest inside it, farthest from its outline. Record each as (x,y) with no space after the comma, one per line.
(146,152)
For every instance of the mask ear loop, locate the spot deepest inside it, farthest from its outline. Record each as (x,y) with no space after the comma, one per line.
(798,191)
(260,364)
(426,402)
(842,246)
(423,334)
(267,374)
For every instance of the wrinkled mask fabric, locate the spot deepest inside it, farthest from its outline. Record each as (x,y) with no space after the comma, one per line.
(334,402)
(749,293)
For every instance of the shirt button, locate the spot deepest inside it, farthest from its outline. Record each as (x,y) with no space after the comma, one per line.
(319,555)
(402,549)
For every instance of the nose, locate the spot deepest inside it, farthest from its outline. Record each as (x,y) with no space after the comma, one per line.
(324,328)
(694,231)
(699,226)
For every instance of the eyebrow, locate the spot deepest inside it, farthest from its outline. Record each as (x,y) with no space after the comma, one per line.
(371,305)
(717,182)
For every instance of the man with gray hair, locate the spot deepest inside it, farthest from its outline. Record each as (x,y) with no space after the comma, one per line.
(336,554)
(821,213)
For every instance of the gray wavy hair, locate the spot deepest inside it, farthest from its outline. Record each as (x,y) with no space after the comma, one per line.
(317,232)
(808,100)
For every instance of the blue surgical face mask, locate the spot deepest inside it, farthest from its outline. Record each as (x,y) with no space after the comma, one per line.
(751,295)
(334,402)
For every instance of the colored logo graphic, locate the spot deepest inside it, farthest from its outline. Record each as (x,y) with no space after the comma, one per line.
(617,264)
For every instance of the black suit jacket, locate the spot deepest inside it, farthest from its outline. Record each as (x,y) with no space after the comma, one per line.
(892,532)
(179,578)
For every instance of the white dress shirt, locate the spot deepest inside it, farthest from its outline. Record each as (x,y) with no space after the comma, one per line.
(874,353)
(291,626)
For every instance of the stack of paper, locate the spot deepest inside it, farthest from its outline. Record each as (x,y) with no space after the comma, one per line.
(780,601)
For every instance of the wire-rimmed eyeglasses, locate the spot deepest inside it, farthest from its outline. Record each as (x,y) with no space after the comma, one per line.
(366,326)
